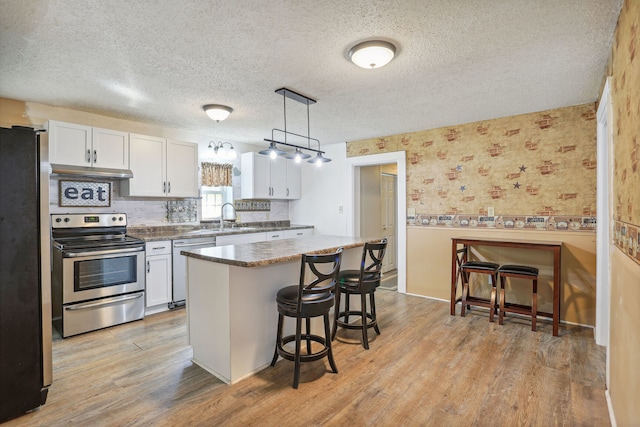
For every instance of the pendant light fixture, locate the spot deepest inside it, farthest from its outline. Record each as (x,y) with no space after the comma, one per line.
(372,54)
(300,151)
(217,112)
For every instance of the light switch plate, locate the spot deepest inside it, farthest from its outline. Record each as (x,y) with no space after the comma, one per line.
(411,212)
(490,211)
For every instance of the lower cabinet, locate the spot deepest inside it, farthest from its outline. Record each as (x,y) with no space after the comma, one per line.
(292,234)
(236,239)
(158,268)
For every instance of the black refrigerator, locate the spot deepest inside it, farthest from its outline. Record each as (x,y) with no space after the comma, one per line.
(25,272)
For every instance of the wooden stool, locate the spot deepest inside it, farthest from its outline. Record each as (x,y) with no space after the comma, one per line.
(310,298)
(519,272)
(479,267)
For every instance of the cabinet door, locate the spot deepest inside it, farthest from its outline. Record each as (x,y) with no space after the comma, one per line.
(69,144)
(158,285)
(275,235)
(182,169)
(147,158)
(292,234)
(255,177)
(110,149)
(293,180)
(279,177)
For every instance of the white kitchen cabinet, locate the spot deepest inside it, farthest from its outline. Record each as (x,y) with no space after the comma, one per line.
(275,235)
(291,234)
(158,280)
(162,168)
(266,178)
(79,145)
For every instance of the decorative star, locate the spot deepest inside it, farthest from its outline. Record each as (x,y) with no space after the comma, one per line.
(459,168)
(523,168)
(463,187)
(516,185)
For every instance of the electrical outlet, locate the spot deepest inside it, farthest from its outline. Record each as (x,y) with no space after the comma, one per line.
(340,209)
(411,212)
(490,211)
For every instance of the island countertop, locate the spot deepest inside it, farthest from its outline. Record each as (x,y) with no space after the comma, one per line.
(275,251)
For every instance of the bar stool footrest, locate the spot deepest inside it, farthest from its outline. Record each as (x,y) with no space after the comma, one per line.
(304,357)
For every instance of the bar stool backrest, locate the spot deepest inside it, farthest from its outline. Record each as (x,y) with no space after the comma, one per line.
(325,269)
(372,253)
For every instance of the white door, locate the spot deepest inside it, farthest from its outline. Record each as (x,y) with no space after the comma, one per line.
(158,288)
(69,144)
(388,205)
(279,178)
(182,169)
(110,149)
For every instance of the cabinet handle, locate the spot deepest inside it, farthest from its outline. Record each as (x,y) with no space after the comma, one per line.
(148,267)
(169,189)
(95,156)
(88,156)
(164,187)
(287,192)
(158,248)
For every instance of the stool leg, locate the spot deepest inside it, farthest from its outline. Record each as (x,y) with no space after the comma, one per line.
(372,301)
(465,292)
(296,370)
(501,316)
(328,344)
(534,304)
(363,312)
(336,309)
(492,300)
(308,335)
(278,339)
(347,297)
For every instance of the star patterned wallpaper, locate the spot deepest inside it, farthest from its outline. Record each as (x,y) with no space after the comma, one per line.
(535,170)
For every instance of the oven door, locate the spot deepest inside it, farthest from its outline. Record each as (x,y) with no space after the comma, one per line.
(89,275)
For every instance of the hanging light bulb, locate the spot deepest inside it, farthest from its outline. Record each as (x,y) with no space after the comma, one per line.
(273,151)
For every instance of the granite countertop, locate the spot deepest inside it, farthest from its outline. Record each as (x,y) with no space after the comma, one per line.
(275,251)
(150,234)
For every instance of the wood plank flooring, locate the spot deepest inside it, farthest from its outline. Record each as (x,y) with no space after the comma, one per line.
(426,369)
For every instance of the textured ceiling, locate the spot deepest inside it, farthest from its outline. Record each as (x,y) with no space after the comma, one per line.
(160,61)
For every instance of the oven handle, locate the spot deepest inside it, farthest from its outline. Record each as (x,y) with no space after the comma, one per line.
(107,252)
(103,303)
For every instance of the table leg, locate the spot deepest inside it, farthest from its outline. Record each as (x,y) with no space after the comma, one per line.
(557,284)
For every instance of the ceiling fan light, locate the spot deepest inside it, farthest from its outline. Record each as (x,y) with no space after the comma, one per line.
(372,54)
(217,112)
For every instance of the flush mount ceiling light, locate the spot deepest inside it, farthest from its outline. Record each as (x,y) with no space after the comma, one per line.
(300,151)
(372,54)
(217,112)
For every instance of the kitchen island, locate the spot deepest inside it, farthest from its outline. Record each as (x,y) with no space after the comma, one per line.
(231,299)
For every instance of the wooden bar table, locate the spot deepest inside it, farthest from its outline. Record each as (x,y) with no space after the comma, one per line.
(553,246)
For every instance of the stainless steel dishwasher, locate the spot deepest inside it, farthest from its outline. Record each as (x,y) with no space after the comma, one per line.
(179,294)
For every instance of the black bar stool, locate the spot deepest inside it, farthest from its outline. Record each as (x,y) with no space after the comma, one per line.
(304,301)
(363,282)
(519,272)
(479,267)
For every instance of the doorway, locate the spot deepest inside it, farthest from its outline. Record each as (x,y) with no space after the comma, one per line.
(397,162)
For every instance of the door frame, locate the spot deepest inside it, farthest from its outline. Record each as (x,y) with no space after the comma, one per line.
(399,158)
(603,230)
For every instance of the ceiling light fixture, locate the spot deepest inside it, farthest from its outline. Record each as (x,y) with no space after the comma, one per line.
(372,54)
(218,153)
(217,112)
(298,154)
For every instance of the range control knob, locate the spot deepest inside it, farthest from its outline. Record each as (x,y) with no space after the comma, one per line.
(121,219)
(66,220)
(58,219)
(114,218)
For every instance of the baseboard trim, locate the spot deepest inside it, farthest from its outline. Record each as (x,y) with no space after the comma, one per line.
(612,416)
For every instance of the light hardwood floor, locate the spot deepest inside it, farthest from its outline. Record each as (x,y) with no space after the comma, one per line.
(427,368)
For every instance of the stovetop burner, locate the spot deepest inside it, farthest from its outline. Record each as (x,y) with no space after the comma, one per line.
(91,231)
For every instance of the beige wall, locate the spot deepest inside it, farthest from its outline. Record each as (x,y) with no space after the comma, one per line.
(429,261)
(624,384)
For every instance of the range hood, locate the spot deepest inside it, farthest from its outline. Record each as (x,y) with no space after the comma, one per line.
(91,172)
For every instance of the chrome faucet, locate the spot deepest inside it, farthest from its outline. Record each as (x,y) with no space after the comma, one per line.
(235,215)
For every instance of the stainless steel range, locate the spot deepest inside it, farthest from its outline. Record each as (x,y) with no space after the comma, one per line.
(98,277)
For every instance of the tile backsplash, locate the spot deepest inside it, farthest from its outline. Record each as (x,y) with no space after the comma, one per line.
(159,211)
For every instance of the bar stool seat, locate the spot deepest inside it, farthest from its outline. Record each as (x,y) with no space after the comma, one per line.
(519,272)
(479,267)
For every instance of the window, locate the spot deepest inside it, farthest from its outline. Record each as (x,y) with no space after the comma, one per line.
(212,200)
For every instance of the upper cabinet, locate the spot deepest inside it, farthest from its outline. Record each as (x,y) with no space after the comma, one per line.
(161,168)
(79,145)
(266,178)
